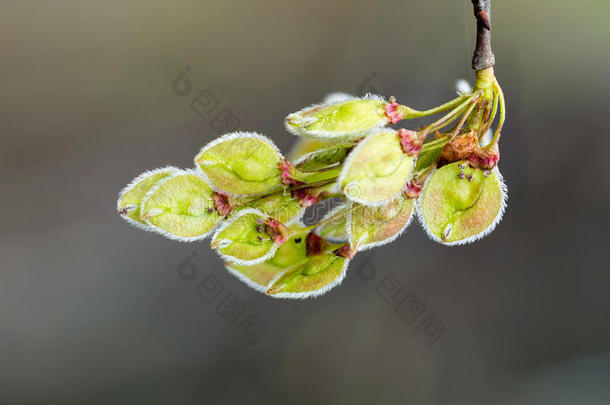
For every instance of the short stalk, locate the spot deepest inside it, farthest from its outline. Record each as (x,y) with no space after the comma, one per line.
(410,113)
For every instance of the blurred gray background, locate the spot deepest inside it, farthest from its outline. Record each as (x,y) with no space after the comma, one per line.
(93,311)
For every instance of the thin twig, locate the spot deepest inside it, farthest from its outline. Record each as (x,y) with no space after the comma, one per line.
(483,57)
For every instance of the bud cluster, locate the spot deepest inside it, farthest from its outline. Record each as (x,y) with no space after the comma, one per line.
(249,198)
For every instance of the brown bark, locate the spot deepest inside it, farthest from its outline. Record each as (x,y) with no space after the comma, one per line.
(483,57)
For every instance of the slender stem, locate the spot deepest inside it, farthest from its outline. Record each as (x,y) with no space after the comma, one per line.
(492,116)
(464,118)
(411,113)
(483,57)
(496,136)
(443,121)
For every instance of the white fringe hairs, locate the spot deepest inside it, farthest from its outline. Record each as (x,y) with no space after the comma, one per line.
(314,293)
(482,234)
(249,282)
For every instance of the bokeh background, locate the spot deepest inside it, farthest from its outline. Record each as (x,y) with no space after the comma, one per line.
(93,311)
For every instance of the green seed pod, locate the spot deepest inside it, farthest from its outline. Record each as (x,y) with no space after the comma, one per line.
(306,145)
(460,204)
(324,158)
(130,198)
(180,207)
(314,277)
(370,227)
(350,119)
(334,231)
(244,238)
(258,276)
(376,170)
(241,163)
(282,207)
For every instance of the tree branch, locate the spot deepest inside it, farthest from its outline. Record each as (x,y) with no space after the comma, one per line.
(483,57)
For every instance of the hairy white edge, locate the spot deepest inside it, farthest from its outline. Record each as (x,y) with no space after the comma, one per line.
(229,221)
(315,293)
(157,229)
(329,214)
(332,98)
(482,234)
(246,280)
(137,180)
(229,137)
(332,135)
(337,188)
(367,246)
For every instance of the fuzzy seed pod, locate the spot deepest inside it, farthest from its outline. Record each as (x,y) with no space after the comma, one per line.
(259,276)
(460,204)
(314,277)
(248,237)
(343,120)
(369,227)
(241,163)
(180,207)
(130,198)
(376,170)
